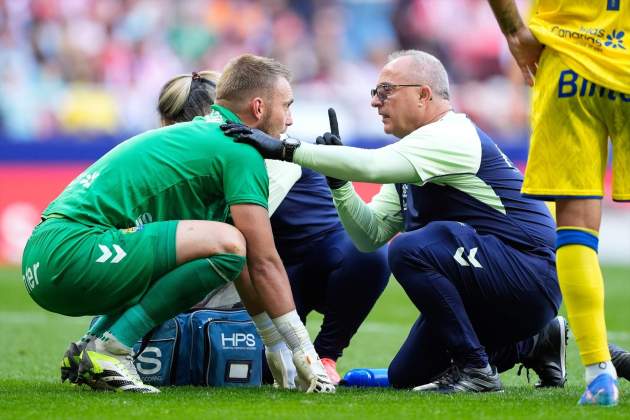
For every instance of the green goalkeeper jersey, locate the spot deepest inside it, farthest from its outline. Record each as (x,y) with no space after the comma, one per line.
(186,171)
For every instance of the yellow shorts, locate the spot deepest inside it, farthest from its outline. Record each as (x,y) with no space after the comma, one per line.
(572,120)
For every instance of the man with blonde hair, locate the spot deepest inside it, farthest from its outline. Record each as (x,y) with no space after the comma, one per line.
(161,220)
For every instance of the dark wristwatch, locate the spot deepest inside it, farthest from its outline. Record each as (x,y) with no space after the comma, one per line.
(289,146)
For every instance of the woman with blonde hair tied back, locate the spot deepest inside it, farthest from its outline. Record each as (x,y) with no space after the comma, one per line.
(186,96)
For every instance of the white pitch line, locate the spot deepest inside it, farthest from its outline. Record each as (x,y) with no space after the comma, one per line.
(15,317)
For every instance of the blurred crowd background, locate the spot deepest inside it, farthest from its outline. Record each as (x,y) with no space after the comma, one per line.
(79,76)
(82,69)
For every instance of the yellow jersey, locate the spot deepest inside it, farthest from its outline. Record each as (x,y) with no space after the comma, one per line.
(592,36)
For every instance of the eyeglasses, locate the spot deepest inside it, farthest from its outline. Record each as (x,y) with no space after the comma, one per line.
(383,90)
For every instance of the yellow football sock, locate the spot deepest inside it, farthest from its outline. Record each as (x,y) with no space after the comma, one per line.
(582,288)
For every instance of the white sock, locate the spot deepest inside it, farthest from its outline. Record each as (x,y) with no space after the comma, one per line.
(262,320)
(110,343)
(596,369)
(268,332)
(293,331)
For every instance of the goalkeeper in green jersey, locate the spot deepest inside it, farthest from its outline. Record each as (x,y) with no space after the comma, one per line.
(161,220)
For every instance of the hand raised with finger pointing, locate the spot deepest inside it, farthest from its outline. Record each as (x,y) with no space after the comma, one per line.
(332,139)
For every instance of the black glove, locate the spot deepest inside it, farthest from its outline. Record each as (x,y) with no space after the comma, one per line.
(332,139)
(267,146)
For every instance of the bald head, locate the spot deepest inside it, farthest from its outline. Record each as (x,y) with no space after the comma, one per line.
(411,91)
(418,66)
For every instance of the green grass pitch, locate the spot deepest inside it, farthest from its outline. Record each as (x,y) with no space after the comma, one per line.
(32,342)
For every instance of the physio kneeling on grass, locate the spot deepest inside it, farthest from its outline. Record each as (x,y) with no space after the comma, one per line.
(474,256)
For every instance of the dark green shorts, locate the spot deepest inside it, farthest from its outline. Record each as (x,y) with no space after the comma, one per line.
(74,270)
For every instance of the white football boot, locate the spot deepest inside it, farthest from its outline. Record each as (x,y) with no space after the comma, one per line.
(109,366)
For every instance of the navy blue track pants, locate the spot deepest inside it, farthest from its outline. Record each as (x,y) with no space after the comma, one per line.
(481,300)
(335,279)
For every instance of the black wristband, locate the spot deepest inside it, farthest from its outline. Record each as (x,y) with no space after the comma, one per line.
(289,146)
